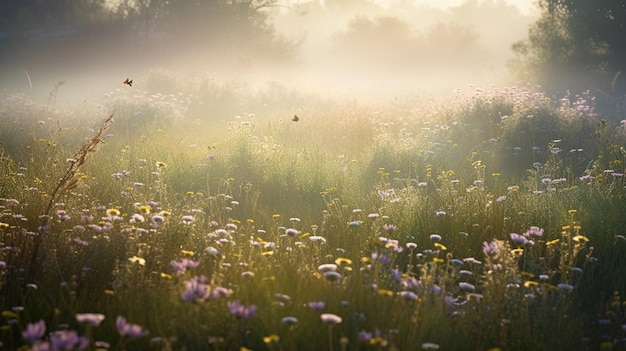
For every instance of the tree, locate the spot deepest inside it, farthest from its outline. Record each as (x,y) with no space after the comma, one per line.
(576,45)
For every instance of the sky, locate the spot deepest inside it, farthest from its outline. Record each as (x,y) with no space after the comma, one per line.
(423,44)
(527,7)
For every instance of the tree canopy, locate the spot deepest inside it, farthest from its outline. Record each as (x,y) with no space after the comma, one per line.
(576,45)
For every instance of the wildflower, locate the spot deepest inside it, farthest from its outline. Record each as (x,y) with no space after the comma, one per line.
(188,219)
(80,241)
(332,276)
(93,319)
(491,249)
(238,310)
(430,346)
(518,239)
(435,237)
(111,212)
(354,224)
(183,265)
(389,228)
(139,260)
(534,231)
(409,295)
(289,320)
(317,305)
(160,165)
(195,289)
(67,340)
(34,331)
(62,215)
(411,246)
(566,287)
(137,218)
(291,232)
(128,329)
(365,336)
(440,246)
(330,318)
(382,258)
(467,286)
(274,337)
(440,213)
(328,267)
(373,215)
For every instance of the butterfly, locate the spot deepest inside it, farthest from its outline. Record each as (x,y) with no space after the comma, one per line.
(295,118)
(129,82)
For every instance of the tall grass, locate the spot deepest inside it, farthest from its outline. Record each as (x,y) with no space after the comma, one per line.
(491,221)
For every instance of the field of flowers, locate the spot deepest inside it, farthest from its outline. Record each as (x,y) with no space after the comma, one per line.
(211,218)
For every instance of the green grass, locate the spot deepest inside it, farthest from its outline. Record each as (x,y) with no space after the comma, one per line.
(400,197)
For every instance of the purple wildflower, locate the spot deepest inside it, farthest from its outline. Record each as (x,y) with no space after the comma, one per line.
(67,340)
(183,265)
(291,232)
(34,331)
(330,318)
(317,305)
(93,319)
(491,249)
(518,239)
(389,228)
(195,289)
(238,310)
(128,329)
(467,286)
(534,231)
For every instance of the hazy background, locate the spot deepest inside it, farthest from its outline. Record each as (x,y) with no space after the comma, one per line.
(347,46)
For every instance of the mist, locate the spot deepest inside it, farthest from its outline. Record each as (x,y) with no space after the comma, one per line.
(352,47)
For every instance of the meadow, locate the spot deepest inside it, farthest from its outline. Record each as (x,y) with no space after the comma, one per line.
(207,217)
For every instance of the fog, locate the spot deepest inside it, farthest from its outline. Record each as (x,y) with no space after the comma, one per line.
(352,47)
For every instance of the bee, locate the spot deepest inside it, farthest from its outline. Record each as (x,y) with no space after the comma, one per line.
(129,82)
(295,118)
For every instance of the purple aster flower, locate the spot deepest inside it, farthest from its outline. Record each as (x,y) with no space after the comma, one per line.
(67,340)
(491,249)
(467,286)
(389,228)
(332,276)
(534,231)
(330,318)
(62,215)
(183,265)
(518,239)
(195,289)
(409,295)
(93,319)
(396,274)
(128,329)
(289,320)
(238,310)
(218,292)
(435,238)
(34,331)
(364,336)
(41,346)
(317,305)
(382,258)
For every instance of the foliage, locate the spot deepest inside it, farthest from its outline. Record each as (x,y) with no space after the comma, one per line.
(576,45)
